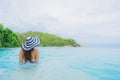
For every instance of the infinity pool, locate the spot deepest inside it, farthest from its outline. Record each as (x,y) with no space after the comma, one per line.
(60,63)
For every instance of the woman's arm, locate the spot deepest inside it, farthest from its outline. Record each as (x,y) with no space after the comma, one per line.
(21,56)
(37,56)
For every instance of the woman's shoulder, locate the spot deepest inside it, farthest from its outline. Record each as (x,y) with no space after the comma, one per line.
(21,51)
(36,50)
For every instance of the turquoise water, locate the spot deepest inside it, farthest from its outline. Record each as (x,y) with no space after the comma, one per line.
(59,63)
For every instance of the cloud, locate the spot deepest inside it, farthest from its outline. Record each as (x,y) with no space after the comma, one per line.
(84,20)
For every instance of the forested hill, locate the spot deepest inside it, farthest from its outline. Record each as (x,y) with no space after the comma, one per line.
(49,39)
(8,38)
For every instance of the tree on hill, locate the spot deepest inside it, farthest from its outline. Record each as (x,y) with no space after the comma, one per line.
(8,38)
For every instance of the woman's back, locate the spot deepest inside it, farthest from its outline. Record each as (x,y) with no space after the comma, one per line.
(33,56)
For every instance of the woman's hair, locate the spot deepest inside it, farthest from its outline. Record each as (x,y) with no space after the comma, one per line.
(28,56)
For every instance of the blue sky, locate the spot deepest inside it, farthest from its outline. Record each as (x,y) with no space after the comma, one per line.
(86,21)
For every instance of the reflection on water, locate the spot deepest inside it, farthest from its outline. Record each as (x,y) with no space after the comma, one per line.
(63,63)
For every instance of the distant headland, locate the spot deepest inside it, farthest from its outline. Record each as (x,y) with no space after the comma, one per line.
(8,38)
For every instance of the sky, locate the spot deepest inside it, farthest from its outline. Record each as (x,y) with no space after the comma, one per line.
(86,21)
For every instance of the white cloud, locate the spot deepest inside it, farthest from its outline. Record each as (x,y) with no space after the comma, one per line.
(79,19)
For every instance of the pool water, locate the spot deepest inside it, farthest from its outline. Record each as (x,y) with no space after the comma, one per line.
(62,63)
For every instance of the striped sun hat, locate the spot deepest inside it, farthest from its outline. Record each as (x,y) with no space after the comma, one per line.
(30,43)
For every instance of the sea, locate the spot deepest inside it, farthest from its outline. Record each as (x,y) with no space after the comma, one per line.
(62,63)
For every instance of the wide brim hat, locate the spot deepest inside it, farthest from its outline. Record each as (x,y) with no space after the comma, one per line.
(30,43)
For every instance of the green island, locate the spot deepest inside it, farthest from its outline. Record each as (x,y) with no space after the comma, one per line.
(11,39)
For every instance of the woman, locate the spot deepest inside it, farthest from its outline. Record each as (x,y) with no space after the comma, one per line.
(28,53)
